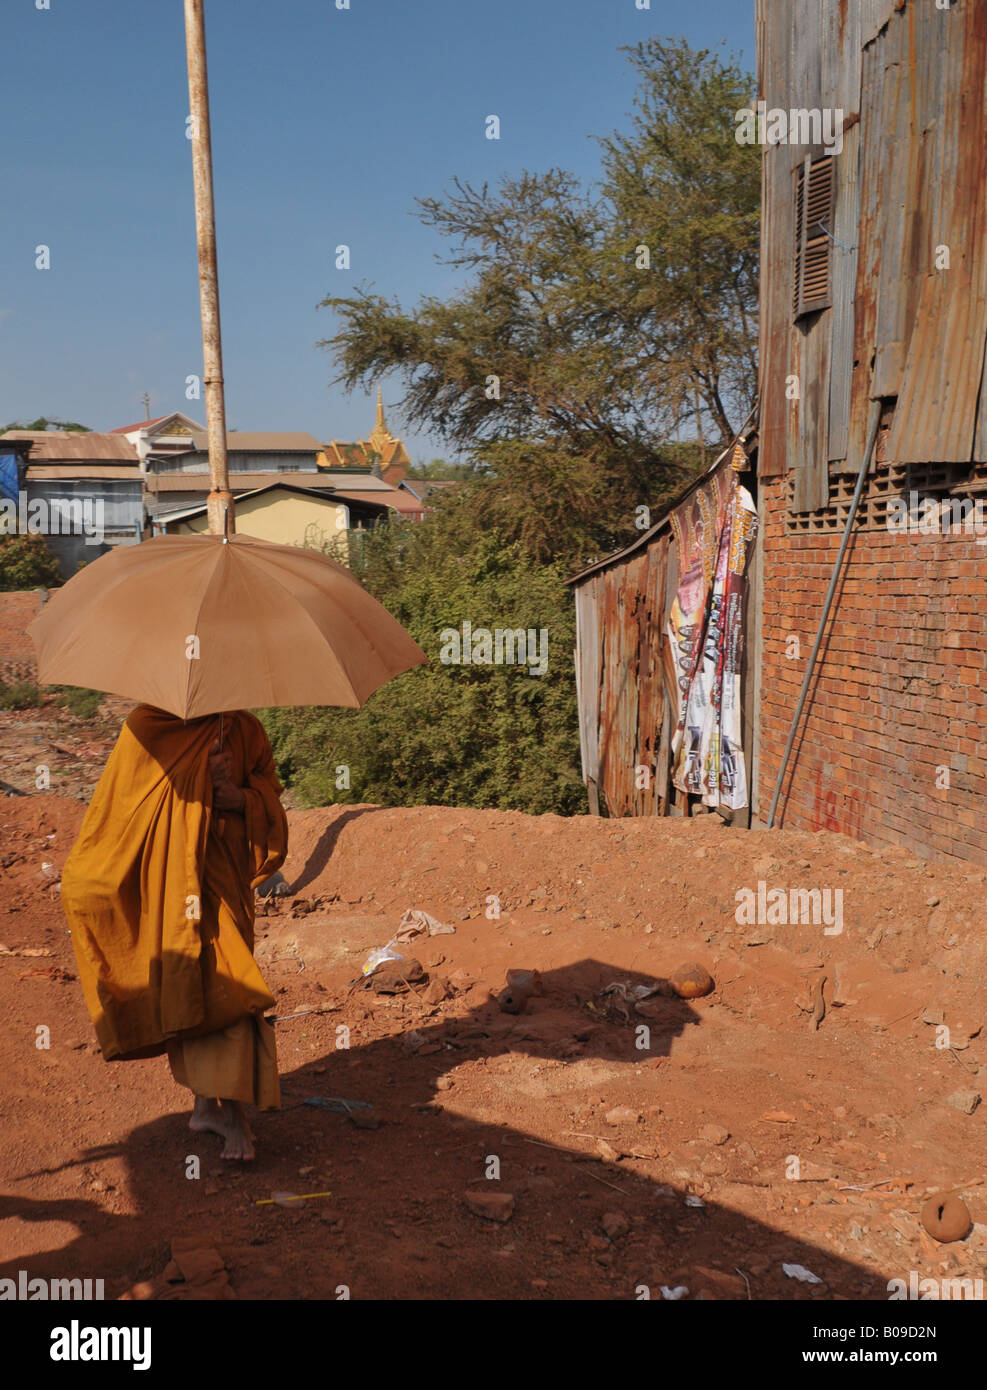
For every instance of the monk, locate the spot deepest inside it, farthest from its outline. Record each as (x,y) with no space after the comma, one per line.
(159,894)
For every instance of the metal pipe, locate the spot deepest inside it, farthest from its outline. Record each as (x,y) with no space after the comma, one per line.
(205,230)
(834,579)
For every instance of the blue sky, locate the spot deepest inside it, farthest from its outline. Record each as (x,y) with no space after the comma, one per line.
(327,124)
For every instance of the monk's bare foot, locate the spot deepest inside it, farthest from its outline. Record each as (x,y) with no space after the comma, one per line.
(228,1120)
(206,1116)
(239,1136)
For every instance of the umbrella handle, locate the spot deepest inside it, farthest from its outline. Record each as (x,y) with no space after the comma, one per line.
(221,733)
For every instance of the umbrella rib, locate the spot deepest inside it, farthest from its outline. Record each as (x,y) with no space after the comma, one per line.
(344,573)
(352,579)
(285,589)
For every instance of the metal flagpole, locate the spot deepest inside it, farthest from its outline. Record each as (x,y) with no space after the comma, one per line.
(220,500)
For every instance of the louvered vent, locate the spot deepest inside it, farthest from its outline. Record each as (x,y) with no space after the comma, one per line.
(813,220)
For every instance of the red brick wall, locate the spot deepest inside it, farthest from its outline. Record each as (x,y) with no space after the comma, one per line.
(899,689)
(16,648)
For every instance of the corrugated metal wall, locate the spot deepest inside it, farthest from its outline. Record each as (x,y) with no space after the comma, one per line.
(620,618)
(122,504)
(911,177)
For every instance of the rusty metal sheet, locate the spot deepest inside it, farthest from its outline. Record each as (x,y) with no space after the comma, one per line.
(873,15)
(911,177)
(619,694)
(651,695)
(806,39)
(844,280)
(980,438)
(812,416)
(868,240)
(845,29)
(620,680)
(890,116)
(773,28)
(588,678)
(777,289)
(609,736)
(63,446)
(936,415)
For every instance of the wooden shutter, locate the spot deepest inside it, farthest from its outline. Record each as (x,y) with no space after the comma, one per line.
(814,188)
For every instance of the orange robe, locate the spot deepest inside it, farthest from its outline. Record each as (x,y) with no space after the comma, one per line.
(158,890)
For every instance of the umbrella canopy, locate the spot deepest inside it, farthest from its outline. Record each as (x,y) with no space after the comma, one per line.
(201,624)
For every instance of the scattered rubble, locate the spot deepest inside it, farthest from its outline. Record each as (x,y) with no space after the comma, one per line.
(704,1100)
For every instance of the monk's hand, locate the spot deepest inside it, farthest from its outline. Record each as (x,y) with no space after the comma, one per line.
(226,795)
(220,764)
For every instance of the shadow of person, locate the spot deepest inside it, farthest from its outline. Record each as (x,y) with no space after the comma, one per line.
(447,1106)
(324,847)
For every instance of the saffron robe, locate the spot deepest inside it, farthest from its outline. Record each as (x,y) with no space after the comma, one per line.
(158,888)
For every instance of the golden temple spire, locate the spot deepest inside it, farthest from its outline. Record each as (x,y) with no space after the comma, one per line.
(380,436)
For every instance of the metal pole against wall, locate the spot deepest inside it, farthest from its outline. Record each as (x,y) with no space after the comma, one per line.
(220,501)
(833,581)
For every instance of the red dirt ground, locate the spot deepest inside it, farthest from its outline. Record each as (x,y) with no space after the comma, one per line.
(94,1157)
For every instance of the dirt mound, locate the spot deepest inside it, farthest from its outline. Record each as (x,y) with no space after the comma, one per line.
(609,1138)
(665,877)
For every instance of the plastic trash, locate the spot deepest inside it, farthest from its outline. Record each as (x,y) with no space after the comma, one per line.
(416,923)
(378,956)
(803,1275)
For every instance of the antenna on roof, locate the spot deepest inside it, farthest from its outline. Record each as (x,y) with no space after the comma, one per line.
(147,405)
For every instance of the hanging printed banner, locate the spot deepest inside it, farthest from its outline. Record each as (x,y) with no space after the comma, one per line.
(696,526)
(705,631)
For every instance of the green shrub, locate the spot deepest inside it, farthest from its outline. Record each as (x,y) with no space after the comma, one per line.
(27,563)
(449,735)
(79,701)
(20,695)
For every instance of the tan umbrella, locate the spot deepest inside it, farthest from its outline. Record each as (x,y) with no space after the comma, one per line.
(200,624)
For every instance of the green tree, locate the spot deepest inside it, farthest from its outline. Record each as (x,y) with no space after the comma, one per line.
(596,325)
(444,734)
(439,470)
(27,563)
(680,180)
(43,423)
